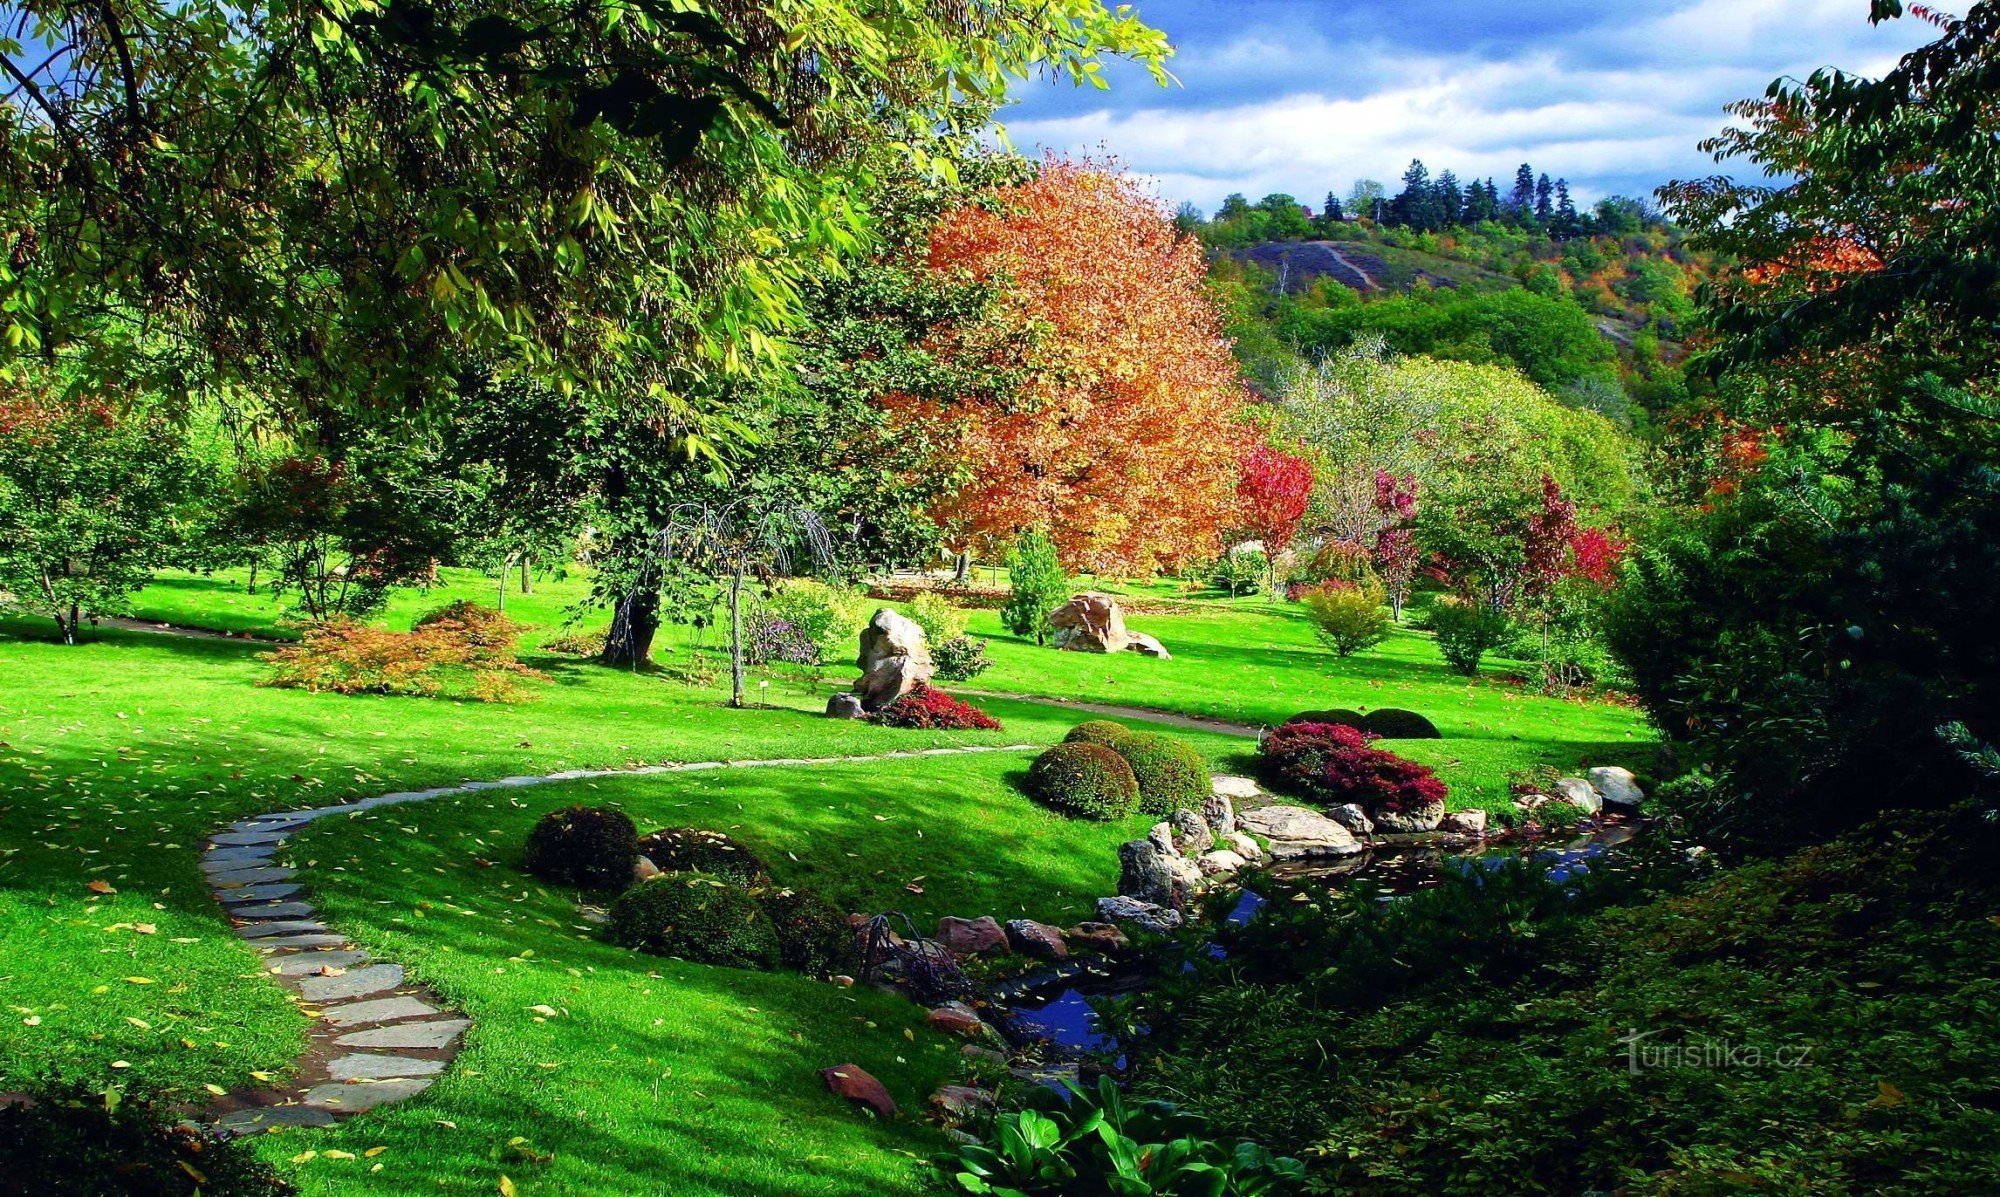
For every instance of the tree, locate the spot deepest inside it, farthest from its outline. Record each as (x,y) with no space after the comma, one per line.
(1287,218)
(514,449)
(1449,200)
(1334,214)
(1365,197)
(1521,200)
(1120,439)
(1272,497)
(89,499)
(1544,190)
(1038,586)
(1567,223)
(1416,205)
(1396,552)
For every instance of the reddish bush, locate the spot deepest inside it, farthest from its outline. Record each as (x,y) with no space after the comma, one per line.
(934,710)
(1332,763)
(459,651)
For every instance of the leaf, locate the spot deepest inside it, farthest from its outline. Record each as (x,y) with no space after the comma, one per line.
(100,886)
(1888,1097)
(507,1187)
(140,980)
(218,1090)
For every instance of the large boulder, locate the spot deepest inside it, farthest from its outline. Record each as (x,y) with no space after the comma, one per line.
(1146,916)
(1093,623)
(1580,794)
(894,659)
(1220,813)
(1038,940)
(1465,822)
(1295,833)
(970,937)
(1408,820)
(1616,786)
(1150,875)
(1191,833)
(1352,817)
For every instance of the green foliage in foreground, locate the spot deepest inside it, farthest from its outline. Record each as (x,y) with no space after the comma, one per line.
(1822,1024)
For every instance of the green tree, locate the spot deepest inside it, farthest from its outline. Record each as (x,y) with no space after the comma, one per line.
(1039,586)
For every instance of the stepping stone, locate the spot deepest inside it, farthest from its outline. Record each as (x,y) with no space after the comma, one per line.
(282,927)
(247,837)
(273,910)
(354,1098)
(260,893)
(376,978)
(307,963)
(264,1118)
(377,1010)
(250,876)
(322,939)
(365,1067)
(408,1036)
(238,856)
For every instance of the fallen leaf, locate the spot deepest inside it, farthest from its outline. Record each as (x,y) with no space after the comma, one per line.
(506,1187)
(218,1090)
(1889,1096)
(100,886)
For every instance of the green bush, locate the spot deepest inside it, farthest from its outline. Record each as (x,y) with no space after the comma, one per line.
(81,1142)
(695,850)
(1466,632)
(1097,731)
(1347,617)
(938,618)
(1083,779)
(696,917)
(813,934)
(1395,723)
(592,847)
(1171,774)
(1340,715)
(1241,573)
(960,658)
(1039,586)
(830,616)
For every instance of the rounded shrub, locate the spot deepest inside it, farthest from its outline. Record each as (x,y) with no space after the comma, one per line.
(1395,723)
(1171,774)
(694,850)
(1333,715)
(1083,779)
(592,847)
(697,917)
(1097,731)
(813,934)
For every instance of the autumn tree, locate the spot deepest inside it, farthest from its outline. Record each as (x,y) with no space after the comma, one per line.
(1121,439)
(1273,495)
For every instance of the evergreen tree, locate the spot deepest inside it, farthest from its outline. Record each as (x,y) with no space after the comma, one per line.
(1415,207)
(1482,202)
(1449,200)
(1543,191)
(1521,201)
(1567,224)
(1334,213)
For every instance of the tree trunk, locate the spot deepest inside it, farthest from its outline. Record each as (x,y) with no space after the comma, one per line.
(505,564)
(736,639)
(253,576)
(527,584)
(634,621)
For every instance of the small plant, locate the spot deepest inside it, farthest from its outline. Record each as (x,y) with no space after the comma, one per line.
(960,658)
(1088,780)
(934,710)
(575,642)
(827,616)
(1094,1144)
(1466,632)
(695,850)
(813,934)
(1241,573)
(591,847)
(462,651)
(1346,616)
(1039,586)
(938,618)
(696,917)
(1171,774)
(1332,763)
(1097,731)
(773,639)
(78,1142)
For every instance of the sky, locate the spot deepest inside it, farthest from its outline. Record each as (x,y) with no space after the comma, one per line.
(1306,96)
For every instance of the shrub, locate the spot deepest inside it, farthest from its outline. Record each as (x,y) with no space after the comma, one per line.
(1089,780)
(1347,617)
(461,651)
(1241,573)
(1332,763)
(1353,719)
(1466,632)
(1097,731)
(960,658)
(574,642)
(934,710)
(773,639)
(593,847)
(1395,723)
(1039,586)
(813,934)
(76,1142)
(1171,774)
(696,917)
(694,850)
(938,618)
(829,616)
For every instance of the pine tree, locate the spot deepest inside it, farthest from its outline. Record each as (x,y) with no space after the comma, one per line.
(1334,213)
(1449,200)
(1414,207)
(1567,224)
(1543,190)
(1521,202)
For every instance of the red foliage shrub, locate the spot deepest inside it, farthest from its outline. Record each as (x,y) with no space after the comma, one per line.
(1332,763)
(934,710)
(459,651)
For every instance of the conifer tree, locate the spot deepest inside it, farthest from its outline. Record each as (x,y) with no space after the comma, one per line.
(1544,190)
(1521,201)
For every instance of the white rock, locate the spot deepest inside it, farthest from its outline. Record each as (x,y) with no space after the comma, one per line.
(1295,833)
(1243,846)
(1579,793)
(1219,863)
(1233,787)
(1617,786)
(1353,818)
(1464,822)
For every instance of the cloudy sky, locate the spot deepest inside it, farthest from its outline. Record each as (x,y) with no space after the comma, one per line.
(1303,96)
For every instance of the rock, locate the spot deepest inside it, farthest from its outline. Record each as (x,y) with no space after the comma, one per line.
(957,1018)
(1244,846)
(258,1119)
(1219,811)
(970,937)
(273,910)
(408,1036)
(1220,863)
(280,928)
(853,1083)
(366,1066)
(344,1098)
(982,1055)
(1038,940)
(1580,794)
(643,869)
(1148,646)
(893,660)
(1353,818)
(1150,875)
(1093,623)
(961,1103)
(1465,822)
(258,893)
(1192,836)
(378,1010)
(1161,836)
(1295,833)
(1616,786)
(1097,937)
(362,982)
(1237,789)
(1146,916)
(1408,820)
(306,964)
(845,706)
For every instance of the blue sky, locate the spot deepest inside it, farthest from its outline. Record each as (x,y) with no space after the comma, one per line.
(1301,96)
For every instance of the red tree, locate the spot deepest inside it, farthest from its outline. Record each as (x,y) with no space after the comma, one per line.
(1272,494)
(1396,552)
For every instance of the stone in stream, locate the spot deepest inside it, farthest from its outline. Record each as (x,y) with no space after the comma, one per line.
(970,937)
(309,963)
(1243,846)
(259,893)
(1465,822)
(957,1018)
(281,927)
(408,1036)
(1038,940)
(392,1009)
(1097,937)
(273,910)
(264,1118)
(1220,863)
(1580,794)
(362,982)
(1146,916)
(1616,786)
(345,1098)
(1295,833)
(319,939)
(365,1066)
(1150,875)
(1408,820)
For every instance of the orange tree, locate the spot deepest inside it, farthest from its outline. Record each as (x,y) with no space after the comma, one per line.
(1122,436)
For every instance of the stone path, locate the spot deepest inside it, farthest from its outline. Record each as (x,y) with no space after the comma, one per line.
(376,1036)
